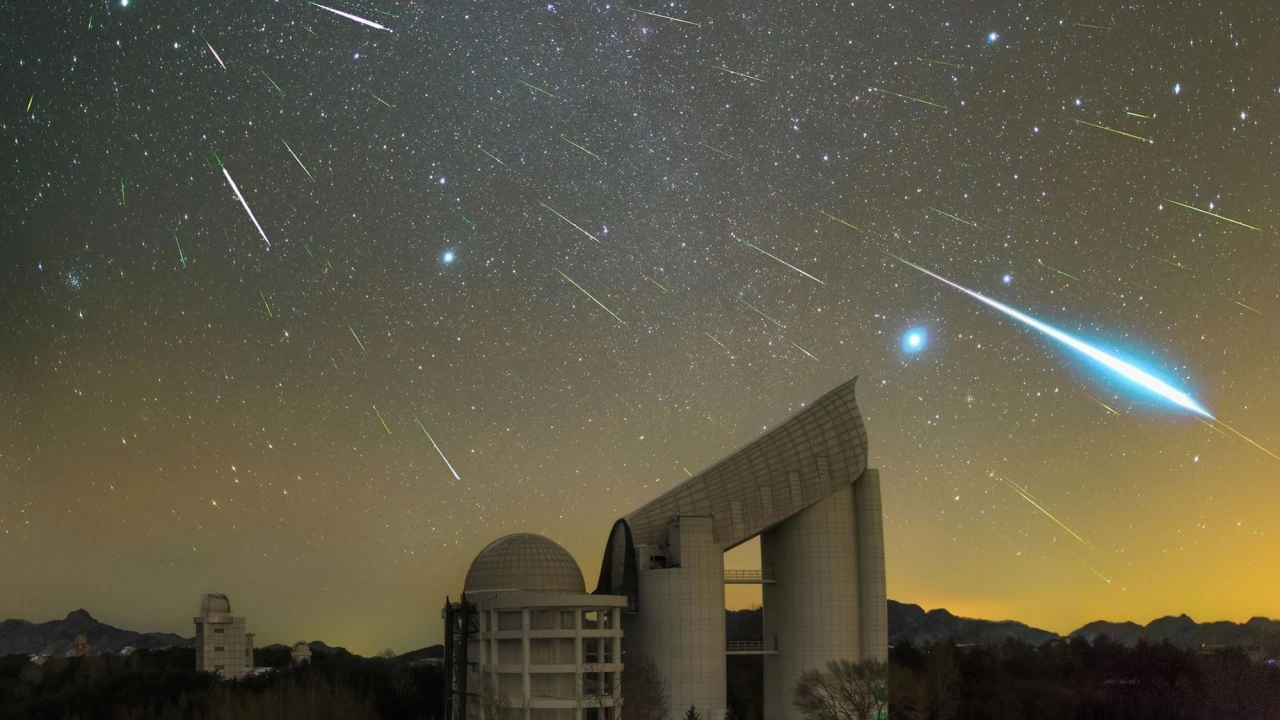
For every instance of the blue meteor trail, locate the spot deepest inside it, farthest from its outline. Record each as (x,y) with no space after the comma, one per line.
(1112,363)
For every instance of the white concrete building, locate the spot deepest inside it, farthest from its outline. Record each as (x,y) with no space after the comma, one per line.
(804,489)
(527,630)
(301,653)
(222,645)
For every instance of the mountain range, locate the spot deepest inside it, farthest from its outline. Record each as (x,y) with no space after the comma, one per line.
(907,623)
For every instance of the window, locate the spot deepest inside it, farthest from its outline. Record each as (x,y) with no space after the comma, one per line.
(510,621)
(217,631)
(606,653)
(590,650)
(219,668)
(590,619)
(606,619)
(218,648)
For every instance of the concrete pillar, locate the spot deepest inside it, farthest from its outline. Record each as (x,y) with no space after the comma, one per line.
(680,625)
(873,606)
(812,609)
(524,659)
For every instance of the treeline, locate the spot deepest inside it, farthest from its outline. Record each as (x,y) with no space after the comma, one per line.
(164,685)
(1060,680)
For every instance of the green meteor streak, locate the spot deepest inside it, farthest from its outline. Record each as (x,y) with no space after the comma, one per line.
(384,102)
(664,17)
(1144,117)
(953,217)
(181,257)
(579,147)
(535,87)
(1095,27)
(962,164)
(761,312)
(29,101)
(593,299)
(273,82)
(357,337)
(264,303)
(943,62)
(905,97)
(735,72)
(1212,214)
(1113,130)
(122,200)
(584,232)
(1246,307)
(295,157)
(714,340)
(655,282)
(383,12)
(491,155)
(1050,267)
(806,352)
(90,21)
(1180,266)
(784,262)
(833,217)
(718,150)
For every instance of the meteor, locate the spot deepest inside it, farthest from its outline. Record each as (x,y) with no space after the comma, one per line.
(716,149)
(491,155)
(349,16)
(181,256)
(357,337)
(714,340)
(655,282)
(384,102)
(1105,579)
(761,312)
(1108,407)
(273,82)
(806,352)
(29,101)
(437,447)
(944,62)
(1134,114)
(833,217)
(1212,214)
(535,87)
(1114,364)
(1027,497)
(664,17)
(265,304)
(584,232)
(384,422)
(775,257)
(579,147)
(295,157)
(1118,132)
(1050,267)
(1246,307)
(215,54)
(905,97)
(735,72)
(593,299)
(236,190)
(122,200)
(953,217)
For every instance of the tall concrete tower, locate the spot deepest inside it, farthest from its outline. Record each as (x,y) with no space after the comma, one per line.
(222,645)
(804,488)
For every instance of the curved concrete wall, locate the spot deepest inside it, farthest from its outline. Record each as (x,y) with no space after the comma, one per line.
(812,610)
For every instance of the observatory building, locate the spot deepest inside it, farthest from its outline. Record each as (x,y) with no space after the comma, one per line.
(526,631)
(803,488)
(222,645)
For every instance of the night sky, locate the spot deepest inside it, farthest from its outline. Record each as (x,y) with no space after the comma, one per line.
(537,231)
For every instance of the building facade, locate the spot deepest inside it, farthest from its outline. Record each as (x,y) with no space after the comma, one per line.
(527,638)
(222,645)
(805,490)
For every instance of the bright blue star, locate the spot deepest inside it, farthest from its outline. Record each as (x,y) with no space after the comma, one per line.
(448,257)
(993,36)
(1006,279)
(915,340)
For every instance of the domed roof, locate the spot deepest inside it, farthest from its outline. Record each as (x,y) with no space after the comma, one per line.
(215,605)
(525,562)
(302,647)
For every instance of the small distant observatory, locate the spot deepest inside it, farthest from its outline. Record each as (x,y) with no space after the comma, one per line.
(301,653)
(82,645)
(222,645)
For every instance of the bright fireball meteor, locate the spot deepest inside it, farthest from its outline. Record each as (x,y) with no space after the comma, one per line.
(1112,363)
(349,16)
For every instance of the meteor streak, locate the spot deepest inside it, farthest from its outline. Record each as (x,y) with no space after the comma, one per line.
(735,72)
(215,55)
(122,200)
(357,337)
(1246,307)
(584,232)
(761,312)
(1118,132)
(181,257)
(944,62)
(1027,497)
(905,97)
(1134,114)
(29,101)
(784,262)
(953,217)
(1105,579)
(655,282)
(1180,266)
(1050,267)
(833,217)
(1108,407)
(806,352)
(437,447)
(717,150)
(714,340)
(579,147)
(265,304)
(384,102)
(495,158)
(593,299)
(664,17)
(295,157)
(273,82)
(236,190)
(349,16)
(1110,362)
(384,422)
(535,87)
(1212,214)
(1246,439)
(1095,27)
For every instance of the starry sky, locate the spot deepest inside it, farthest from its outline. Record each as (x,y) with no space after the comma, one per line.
(520,266)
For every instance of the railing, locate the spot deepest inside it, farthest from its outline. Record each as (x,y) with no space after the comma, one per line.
(750,647)
(747,577)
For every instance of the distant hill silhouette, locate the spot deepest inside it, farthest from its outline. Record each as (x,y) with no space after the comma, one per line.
(1182,631)
(911,623)
(58,637)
